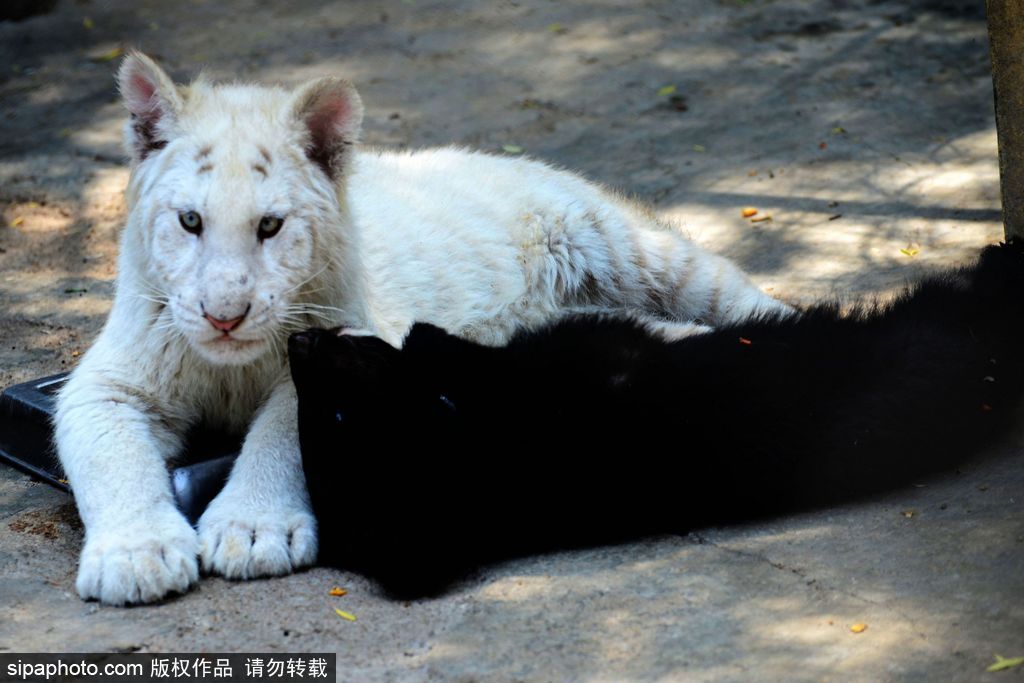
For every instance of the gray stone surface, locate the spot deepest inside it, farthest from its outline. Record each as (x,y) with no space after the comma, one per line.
(877,112)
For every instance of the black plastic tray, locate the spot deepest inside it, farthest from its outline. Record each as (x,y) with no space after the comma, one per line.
(26,442)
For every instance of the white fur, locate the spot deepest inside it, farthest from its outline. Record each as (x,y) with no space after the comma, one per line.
(478,244)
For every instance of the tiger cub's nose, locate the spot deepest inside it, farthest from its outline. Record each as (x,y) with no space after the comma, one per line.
(226,325)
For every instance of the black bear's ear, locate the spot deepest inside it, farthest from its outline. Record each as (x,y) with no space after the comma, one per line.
(368,358)
(365,344)
(426,338)
(154,102)
(427,346)
(331,112)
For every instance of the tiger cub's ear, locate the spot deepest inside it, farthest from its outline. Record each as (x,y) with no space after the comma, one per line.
(331,112)
(154,102)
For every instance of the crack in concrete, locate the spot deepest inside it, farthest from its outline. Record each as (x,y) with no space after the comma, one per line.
(818,585)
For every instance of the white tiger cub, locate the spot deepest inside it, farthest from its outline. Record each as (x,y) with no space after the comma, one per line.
(252,213)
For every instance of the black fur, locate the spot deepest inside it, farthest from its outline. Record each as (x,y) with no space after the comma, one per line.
(426,462)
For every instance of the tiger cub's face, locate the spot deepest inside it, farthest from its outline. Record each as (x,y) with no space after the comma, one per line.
(230,188)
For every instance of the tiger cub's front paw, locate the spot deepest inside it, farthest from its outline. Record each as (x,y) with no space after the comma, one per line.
(241,543)
(139,561)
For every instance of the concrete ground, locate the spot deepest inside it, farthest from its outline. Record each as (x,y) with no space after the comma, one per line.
(863,127)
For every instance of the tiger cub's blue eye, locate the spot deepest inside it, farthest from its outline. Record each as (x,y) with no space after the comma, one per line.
(191,221)
(268,227)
